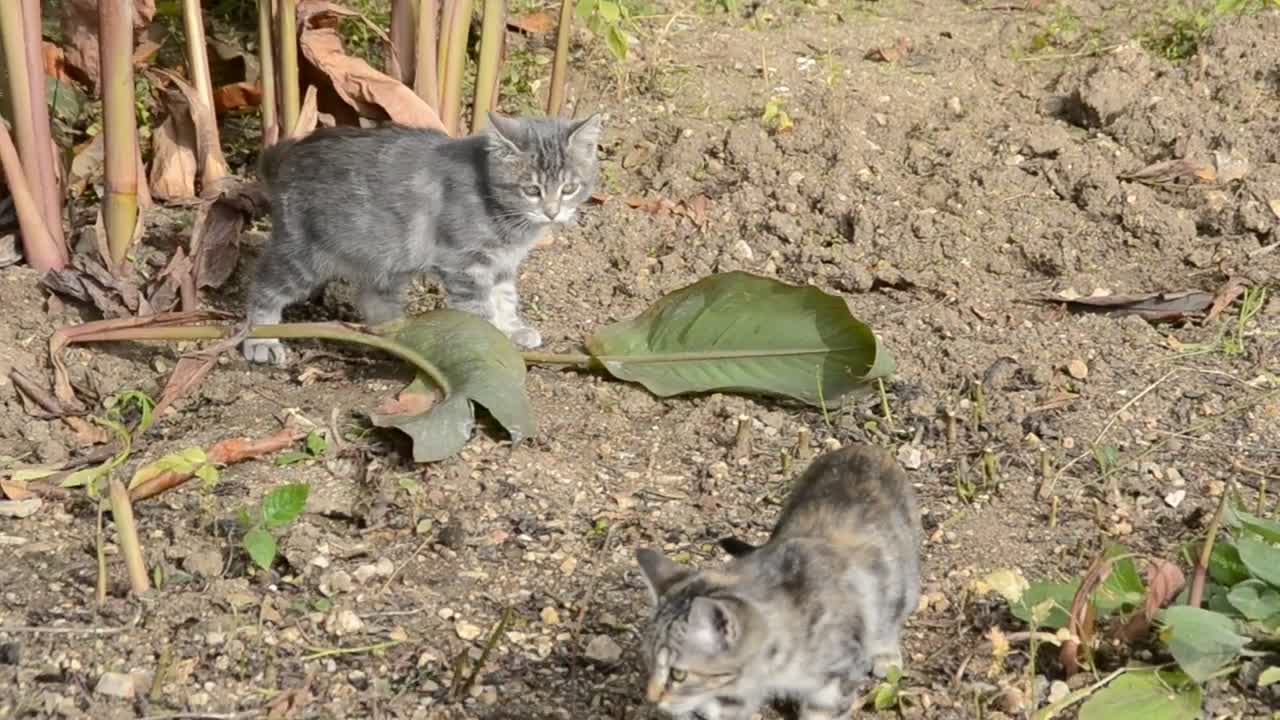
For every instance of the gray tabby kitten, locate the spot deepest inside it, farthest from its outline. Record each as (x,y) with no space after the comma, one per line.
(377,206)
(807,616)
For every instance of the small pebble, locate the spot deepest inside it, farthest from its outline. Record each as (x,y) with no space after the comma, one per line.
(1078,369)
(603,649)
(550,616)
(910,457)
(1175,498)
(1058,690)
(120,685)
(467,631)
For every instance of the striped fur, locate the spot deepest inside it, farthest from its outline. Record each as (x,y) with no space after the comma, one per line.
(808,616)
(378,206)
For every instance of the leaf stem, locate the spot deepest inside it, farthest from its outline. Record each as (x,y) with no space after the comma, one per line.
(320,331)
(1206,551)
(542,358)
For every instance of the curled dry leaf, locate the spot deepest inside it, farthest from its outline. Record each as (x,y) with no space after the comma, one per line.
(1232,289)
(237,96)
(1081,620)
(174,165)
(534,23)
(371,93)
(88,281)
(694,208)
(1153,307)
(175,284)
(224,452)
(895,53)
(1164,581)
(1167,171)
(208,149)
(308,116)
(80,33)
(215,239)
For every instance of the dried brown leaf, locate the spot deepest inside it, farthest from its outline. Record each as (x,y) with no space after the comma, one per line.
(14,489)
(1154,307)
(175,284)
(1164,581)
(86,165)
(533,23)
(213,166)
(895,53)
(1167,171)
(308,116)
(371,93)
(1081,620)
(80,33)
(215,239)
(407,402)
(174,165)
(236,96)
(1227,294)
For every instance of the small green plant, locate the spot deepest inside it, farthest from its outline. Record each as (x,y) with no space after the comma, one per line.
(606,18)
(278,508)
(1106,456)
(887,695)
(775,116)
(1230,612)
(1178,34)
(314,445)
(1251,304)
(1061,32)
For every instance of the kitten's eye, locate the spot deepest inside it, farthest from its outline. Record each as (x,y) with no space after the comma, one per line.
(532,191)
(679,675)
(569,188)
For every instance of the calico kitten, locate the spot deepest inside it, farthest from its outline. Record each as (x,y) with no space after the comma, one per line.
(377,206)
(807,616)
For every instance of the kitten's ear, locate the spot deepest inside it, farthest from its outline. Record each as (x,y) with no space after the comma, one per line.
(584,135)
(717,626)
(660,572)
(505,134)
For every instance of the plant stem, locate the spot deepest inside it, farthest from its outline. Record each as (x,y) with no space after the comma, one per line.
(38,247)
(12,28)
(319,331)
(493,35)
(1206,551)
(555,101)
(426,78)
(51,197)
(197,53)
(455,50)
(543,358)
(404,25)
(291,98)
(267,67)
(119,127)
(127,530)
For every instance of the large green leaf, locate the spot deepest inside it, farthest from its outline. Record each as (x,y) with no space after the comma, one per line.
(1168,695)
(1201,641)
(1255,599)
(740,332)
(474,362)
(1061,595)
(1269,530)
(1262,559)
(1225,566)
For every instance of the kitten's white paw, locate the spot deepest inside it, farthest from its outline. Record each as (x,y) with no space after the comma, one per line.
(526,337)
(265,351)
(881,664)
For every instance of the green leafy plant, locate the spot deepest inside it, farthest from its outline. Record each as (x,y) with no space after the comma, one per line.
(731,332)
(1239,580)
(313,446)
(1180,30)
(606,19)
(280,507)
(775,116)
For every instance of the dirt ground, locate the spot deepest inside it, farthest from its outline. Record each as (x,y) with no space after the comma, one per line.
(940,193)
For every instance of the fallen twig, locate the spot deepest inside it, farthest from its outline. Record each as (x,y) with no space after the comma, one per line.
(224,452)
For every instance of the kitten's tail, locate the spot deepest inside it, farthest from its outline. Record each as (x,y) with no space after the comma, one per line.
(269,161)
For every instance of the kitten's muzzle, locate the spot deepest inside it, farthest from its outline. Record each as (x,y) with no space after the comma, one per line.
(551,208)
(657,689)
